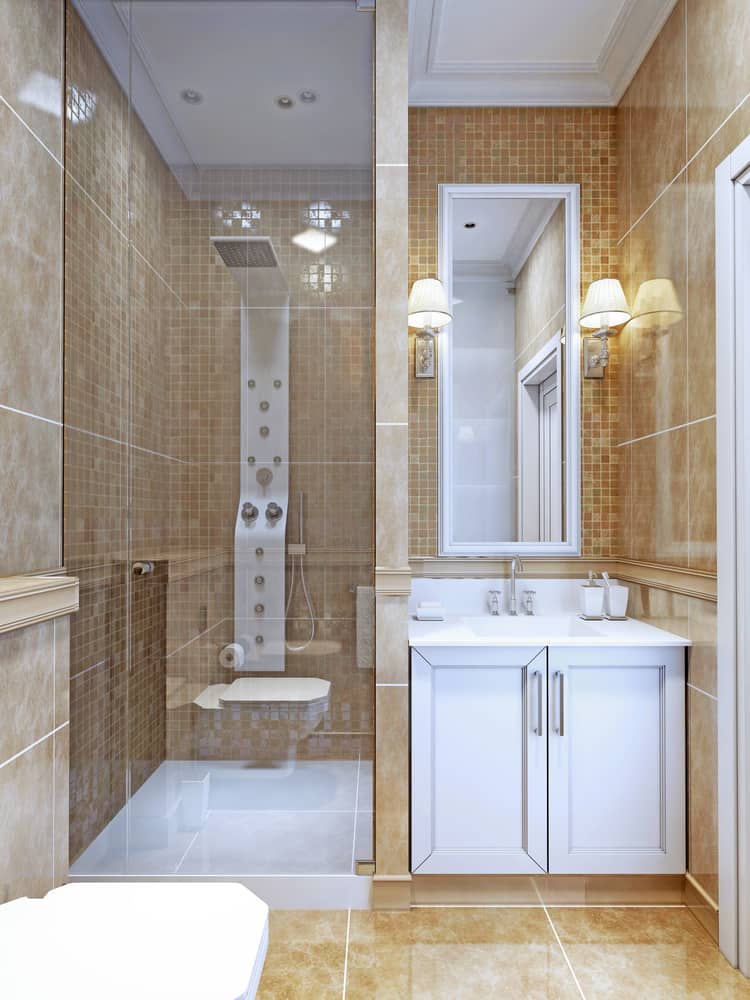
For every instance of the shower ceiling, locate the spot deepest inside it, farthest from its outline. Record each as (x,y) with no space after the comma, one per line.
(240,56)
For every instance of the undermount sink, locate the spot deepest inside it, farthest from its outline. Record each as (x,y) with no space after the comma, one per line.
(533,626)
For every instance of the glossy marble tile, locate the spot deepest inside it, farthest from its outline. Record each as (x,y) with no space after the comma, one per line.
(26,823)
(661,954)
(702,667)
(31,66)
(718,76)
(456,953)
(660,473)
(702,465)
(702,777)
(306,955)
(27,685)
(31,275)
(657,124)
(392,781)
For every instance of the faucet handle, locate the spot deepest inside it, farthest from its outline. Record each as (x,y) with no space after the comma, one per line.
(528,599)
(493,600)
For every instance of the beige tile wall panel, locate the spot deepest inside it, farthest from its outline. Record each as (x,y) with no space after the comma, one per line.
(391,291)
(391,82)
(392,781)
(27,687)
(27,823)
(391,496)
(30,280)
(392,630)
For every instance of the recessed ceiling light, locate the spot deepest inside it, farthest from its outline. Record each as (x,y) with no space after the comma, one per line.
(470,225)
(285,102)
(191,96)
(308,96)
(314,240)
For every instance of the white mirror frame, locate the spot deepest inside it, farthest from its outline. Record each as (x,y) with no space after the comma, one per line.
(448,193)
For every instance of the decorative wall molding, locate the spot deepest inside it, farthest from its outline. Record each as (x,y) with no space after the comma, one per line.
(393,582)
(689,582)
(29,600)
(600,81)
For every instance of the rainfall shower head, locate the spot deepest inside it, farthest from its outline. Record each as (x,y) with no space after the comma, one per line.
(253,264)
(245,251)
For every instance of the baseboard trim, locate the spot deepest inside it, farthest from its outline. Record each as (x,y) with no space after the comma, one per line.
(548,890)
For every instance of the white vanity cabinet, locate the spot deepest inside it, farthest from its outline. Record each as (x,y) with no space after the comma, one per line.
(479,761)
(617,760)
(529,759)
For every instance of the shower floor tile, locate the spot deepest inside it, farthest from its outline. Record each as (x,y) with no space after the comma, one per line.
(313,817)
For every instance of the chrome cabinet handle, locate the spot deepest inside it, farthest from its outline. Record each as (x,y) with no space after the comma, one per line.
(561,704)
(539,730)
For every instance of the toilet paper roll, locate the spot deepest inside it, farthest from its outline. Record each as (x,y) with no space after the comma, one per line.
(232,656)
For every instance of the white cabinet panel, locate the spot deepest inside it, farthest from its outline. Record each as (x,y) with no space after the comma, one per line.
(479,761)
(616,761)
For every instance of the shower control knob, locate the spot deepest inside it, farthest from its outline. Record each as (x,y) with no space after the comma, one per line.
(277,383)
(274,512)
(251,383)
(259,609)
(251,459)
(264,432)
(259,552)
(259,640)
(259,581)
(249,513)
(277,459)
(264,405)
(263,477)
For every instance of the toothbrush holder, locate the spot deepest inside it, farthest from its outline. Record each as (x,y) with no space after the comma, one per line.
(592,601)
(616,600)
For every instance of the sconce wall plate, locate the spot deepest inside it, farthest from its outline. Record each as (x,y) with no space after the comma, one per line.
(424,356)
(591,349)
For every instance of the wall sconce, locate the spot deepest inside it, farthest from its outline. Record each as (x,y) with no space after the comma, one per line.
(428,311)
(656,305)
(605,307)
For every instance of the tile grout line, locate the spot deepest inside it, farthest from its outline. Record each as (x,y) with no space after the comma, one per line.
(683,169)
(31,746)
(667,430)
(346,953)
(186,852)
(695,687)
(559,942)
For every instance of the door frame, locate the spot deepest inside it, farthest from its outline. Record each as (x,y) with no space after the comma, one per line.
(733,550)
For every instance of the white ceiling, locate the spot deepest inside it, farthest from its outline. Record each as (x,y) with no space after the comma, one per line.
(528,52)
(505,233)
(241,56)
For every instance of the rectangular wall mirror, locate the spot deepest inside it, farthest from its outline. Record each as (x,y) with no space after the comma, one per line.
(509,370)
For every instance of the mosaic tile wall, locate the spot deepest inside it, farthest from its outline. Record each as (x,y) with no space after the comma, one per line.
(34,660)
(516,146)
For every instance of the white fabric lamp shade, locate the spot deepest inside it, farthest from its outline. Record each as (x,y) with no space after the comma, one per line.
(605,305)
(656,304)
(428,305)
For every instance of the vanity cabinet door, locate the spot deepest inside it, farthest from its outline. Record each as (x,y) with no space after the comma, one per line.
(617,760)
(479,761)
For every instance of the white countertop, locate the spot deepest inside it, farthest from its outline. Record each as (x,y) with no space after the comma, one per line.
(541,630)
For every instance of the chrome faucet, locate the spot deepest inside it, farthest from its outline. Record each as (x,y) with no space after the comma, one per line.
(516,566)
(494,602)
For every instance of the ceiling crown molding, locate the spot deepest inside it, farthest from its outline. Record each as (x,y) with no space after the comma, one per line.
(444,82)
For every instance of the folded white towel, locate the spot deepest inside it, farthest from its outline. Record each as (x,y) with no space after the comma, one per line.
(430,611)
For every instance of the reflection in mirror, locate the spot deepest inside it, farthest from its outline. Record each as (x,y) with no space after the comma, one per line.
(509,400)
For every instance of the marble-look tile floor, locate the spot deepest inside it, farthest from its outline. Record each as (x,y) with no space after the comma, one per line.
(627,953)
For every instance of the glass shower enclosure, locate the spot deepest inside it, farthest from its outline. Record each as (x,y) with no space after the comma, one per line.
(219,439)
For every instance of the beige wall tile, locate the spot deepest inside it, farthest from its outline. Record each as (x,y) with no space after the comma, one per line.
(657,124)
(26,820)
(718,77)
(659,352)
(31,47)
(624,116)
(702,466)
(62,670)
(391,291)
(392,631)
(61,751)
(391,496)
(30,534)
(30,279)
(27,687)
(703,849)
(391,81)
(659,470)
(702,666)
(392,781)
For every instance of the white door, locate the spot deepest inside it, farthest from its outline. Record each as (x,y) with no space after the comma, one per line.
(479,761)
(617,761)
(550,462)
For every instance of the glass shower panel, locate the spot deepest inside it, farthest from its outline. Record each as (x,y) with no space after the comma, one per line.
(250,434)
